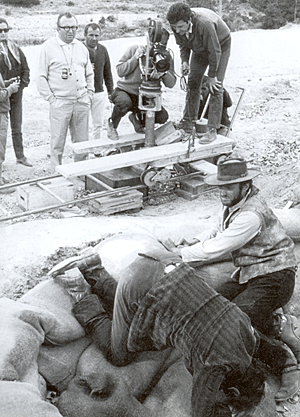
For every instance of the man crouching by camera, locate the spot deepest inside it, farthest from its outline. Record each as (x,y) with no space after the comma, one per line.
(125,96)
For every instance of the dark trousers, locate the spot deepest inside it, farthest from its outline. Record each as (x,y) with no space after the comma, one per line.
(198,66)
(261,296)
(16,122)
(125,102)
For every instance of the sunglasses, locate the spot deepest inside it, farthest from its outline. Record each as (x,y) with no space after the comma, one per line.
(4,30)
(68,28)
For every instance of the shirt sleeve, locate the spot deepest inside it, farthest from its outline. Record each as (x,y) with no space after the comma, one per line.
(89,74)
(42,78)
(107,74)
(128,62)
(212,46)
(242,229)
(24,69)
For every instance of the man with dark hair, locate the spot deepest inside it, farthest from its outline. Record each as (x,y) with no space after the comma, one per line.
(204,41)
(125,97)
(66,80)
(102,73)
(14,67)
(252,235)
(161,302)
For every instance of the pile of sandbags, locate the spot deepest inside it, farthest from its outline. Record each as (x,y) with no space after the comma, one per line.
(43,343)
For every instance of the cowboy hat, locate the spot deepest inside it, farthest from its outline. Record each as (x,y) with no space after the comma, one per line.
(231,169)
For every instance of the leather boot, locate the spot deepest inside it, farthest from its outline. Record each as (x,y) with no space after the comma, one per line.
(74,284)
(94,319)
(290,381)
(102,284)
(288,336)
(86,259)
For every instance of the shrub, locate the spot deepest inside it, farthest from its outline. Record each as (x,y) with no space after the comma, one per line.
(24,3)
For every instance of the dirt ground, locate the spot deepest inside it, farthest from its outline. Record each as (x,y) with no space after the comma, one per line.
(265,64)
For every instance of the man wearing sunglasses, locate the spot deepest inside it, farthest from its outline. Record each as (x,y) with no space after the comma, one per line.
(14,67)
(66,80)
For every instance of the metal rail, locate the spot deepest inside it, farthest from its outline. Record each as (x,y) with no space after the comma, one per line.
(67,203)
(35,180)
(92,196)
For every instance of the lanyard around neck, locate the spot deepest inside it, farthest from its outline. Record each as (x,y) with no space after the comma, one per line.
(71,63)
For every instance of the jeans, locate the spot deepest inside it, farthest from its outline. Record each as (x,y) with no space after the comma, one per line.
(261,296)
(125,102)
(198,66)
(16,122)
(132,287)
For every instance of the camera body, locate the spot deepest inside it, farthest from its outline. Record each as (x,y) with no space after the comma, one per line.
(160,57)
(64,73)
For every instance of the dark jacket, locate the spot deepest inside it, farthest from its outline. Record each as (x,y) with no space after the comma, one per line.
(209,34)
(19,65)
(102,69)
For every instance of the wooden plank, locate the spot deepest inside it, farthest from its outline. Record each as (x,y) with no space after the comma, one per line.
(100,144)
(158,156)
(204,167)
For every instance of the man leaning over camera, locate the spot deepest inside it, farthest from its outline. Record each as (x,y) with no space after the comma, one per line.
(66,80)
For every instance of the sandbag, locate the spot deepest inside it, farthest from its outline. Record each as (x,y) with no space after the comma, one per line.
(139,375)
(58,364)
(172,394)
(290,220)
(100,395)
(19,399)
(119,251)
(53,298)
(130,383)
(22,329)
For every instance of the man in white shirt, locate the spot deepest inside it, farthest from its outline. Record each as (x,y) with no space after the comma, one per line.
(263,254)
(66,80)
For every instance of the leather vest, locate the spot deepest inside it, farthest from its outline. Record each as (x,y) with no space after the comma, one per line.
(270,250)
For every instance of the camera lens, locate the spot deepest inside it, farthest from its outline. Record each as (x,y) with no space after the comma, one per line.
(161,64)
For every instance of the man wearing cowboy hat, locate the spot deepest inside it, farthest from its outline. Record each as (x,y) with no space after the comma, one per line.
(264,256)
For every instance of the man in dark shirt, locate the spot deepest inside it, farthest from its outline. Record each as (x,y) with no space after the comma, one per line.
(13,66)
(204,41)
(102,73)
(161,302)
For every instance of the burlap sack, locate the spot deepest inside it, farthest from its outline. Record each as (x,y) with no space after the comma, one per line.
(58,364)
(22,329)
(19,399)
(172,394)
(119,251)
(53,298)
(128,384)
(290,220)
(140,375)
